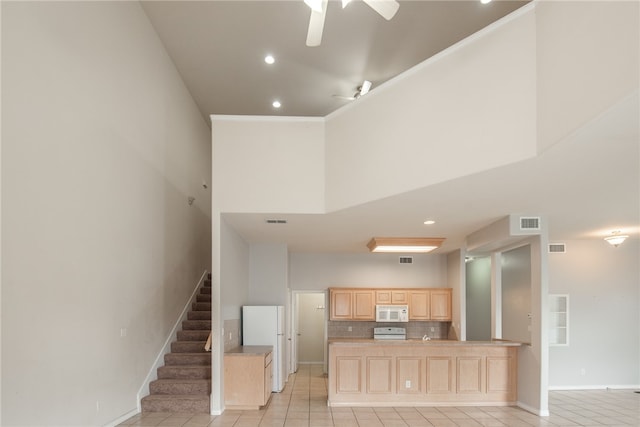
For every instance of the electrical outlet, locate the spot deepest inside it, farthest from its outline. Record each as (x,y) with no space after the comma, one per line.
(407,384)
(97,406)
(350,329)
(123,332)
(433,329)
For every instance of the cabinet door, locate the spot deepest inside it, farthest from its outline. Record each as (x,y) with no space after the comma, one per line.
(341,308)
(419,305)
(363,305)
(399,297)
(441,304)
(268,383)
(383,297)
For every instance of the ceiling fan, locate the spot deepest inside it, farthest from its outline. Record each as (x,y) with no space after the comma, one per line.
(361,90)
(386,8)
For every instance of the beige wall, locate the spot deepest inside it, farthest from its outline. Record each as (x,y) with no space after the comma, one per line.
(101,146)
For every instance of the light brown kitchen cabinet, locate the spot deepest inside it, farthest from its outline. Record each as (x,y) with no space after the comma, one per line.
(359,304)
(440,304)
(352,304)
(390,296)
(419,305)
(247,377)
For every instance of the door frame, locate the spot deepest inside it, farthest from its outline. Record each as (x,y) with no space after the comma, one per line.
(294,327)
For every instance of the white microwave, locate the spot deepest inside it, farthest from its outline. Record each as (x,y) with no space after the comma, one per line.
(392,313)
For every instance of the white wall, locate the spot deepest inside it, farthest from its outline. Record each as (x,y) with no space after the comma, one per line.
(604,320)
(101,146)
(269,164)
(317,271)
(583,46)
(234,273)
(269,274)
(477,98)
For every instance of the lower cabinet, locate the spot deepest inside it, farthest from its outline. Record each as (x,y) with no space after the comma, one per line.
(422,374)
(247,377)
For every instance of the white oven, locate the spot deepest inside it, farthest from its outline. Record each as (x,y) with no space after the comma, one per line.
(392,313)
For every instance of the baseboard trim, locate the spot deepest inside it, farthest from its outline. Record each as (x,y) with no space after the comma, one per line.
(123,418)
(153,372)
(535,411)
(593,387)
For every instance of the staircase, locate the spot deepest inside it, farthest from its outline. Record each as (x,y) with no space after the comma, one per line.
(184,382)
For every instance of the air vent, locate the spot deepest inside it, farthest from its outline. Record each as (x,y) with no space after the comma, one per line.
(529,223)
(406,260)
(276,221)
(558,248)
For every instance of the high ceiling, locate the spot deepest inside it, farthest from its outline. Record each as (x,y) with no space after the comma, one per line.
(218,48)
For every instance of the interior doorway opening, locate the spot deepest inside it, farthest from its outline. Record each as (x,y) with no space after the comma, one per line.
(309,328)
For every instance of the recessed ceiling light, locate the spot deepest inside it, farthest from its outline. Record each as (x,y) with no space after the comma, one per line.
(276,104)
(429,222)
(269,59)
(485,1)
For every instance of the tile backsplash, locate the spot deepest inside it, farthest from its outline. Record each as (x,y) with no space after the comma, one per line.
(434,330)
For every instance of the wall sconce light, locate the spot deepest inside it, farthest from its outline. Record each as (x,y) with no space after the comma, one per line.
(404,244)
(616,238)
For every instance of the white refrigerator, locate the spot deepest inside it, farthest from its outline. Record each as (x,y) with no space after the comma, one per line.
(265,325)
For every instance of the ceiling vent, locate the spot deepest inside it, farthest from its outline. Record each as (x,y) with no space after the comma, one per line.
(406,260)
(530,223)
(557,248)
(276,221)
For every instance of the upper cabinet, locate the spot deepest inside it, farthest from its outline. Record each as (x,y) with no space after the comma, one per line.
(352,304)
(389,296)
(359,304)
(441,304)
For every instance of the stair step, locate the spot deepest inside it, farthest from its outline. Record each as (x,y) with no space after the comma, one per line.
(197,325)
(183,358)
(184,372)
(199,315)
(199,404)
(205,291)
(207,282)
(193,335)
(201,306)
(203,298)
(180,387)
(188,347)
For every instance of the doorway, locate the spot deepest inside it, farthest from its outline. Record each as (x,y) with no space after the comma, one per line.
(309,337)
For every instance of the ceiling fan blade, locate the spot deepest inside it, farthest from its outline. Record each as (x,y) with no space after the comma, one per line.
(386,8)
(346,98)
(316,26)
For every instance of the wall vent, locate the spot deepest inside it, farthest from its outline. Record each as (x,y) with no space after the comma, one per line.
(276,221)
(530,223)
(406,260)
(558,248)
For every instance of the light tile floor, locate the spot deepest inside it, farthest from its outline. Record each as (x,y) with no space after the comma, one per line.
(303,403)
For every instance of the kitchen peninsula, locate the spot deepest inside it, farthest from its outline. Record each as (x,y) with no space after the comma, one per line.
(368,372)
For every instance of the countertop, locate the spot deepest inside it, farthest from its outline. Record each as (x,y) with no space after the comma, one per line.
(250,350)
(371,341)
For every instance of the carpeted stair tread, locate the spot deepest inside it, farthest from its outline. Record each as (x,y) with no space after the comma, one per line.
(180,386)
(184,372)
(188,347)
(201,306)
(196,324)
(199,315)
(205,291)
(191,403)
(203,298)
(192,359)
(193,335)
